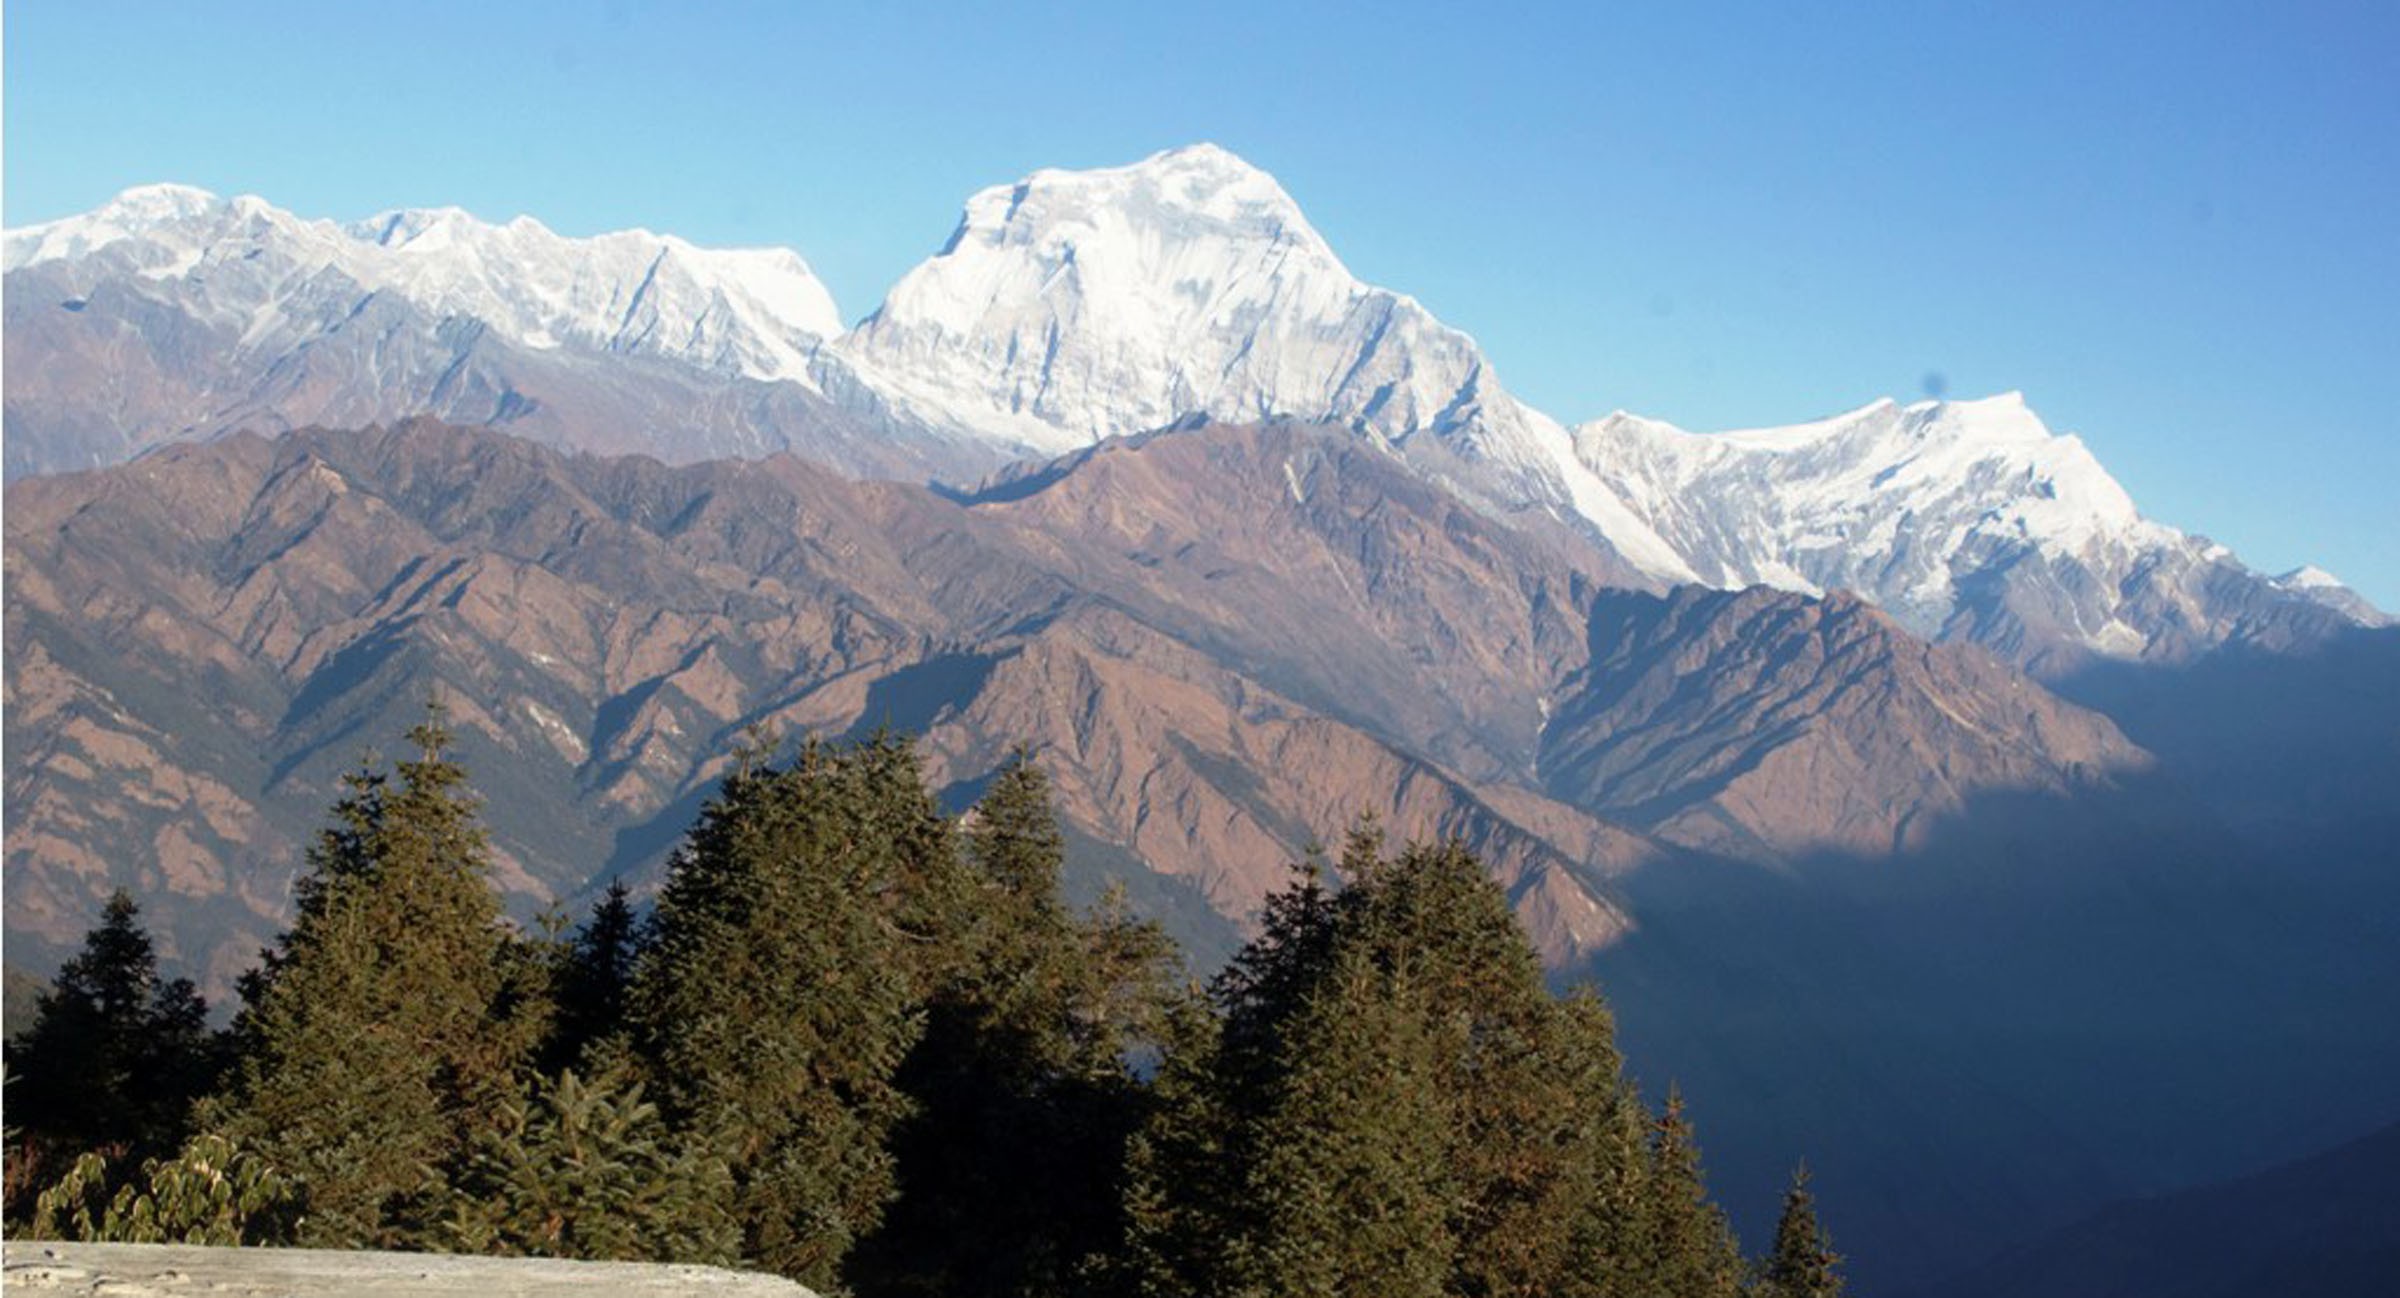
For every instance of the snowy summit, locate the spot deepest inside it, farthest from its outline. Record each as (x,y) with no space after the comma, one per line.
(753,312)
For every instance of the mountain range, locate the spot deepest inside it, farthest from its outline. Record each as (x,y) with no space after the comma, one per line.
(1898,746)
(1066,309)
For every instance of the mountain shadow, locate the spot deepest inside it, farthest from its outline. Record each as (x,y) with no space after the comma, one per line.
(2327,1226)
(2052,1001)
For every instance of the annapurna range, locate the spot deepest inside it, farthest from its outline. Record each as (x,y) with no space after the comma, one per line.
(1066,309)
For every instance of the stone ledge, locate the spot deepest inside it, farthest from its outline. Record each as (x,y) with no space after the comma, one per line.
(172,1270)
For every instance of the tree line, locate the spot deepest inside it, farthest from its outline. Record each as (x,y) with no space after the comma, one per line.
(867,1046)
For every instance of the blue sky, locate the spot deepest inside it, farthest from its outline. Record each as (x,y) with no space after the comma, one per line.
(2176,227)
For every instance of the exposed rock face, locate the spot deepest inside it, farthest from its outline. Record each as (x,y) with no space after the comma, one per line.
(1327,567)
(167,1270)
(1211,778)
(1762,723)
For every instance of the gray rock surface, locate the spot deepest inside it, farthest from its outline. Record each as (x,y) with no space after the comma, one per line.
(167,1270)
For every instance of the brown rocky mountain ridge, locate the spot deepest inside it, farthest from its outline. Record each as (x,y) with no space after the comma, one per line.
(1223,642)
(1977,955)
(1751,724)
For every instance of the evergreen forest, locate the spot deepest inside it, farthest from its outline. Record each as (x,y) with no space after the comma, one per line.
(866,1045)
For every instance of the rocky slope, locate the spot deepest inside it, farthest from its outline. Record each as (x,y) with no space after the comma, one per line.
(1226,641)
(200,642)
(1764,724)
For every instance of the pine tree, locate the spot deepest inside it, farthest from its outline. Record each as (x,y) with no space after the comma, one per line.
(1268,980)
(1538,1170)
(1355,1186)
(925,890)
(1604,1187)
(1803,1262)
(116,1055)
(779,998)
(1181,1176)
(1435,911)
(388,1029)
(595,979)
(1691,1250)
(1189,1202)
(591,1171)
(1015,842)
(1023,1093)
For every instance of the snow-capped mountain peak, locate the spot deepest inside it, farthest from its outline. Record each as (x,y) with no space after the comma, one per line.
(2317,586)
(1162,245)
(1200,189)
(1069,307)
(1077,305)
(425,226)
(757,313)
(1922,508)
(129,215)
(2056,492)
(162,201)
(1074,306)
